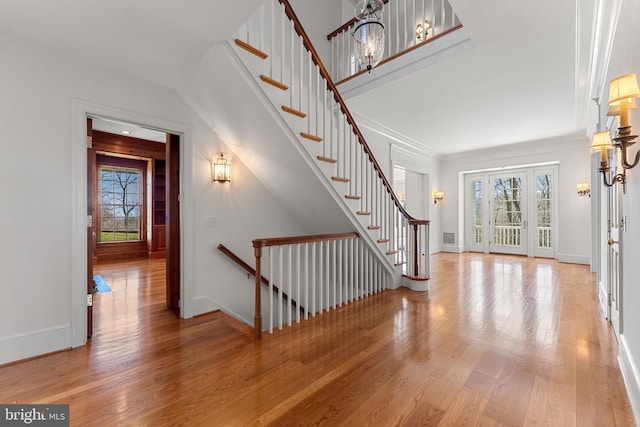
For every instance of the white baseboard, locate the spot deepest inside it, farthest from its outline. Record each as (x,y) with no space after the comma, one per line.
(630,376)
(31,344)
(452,248)
(574,259)
(203,304)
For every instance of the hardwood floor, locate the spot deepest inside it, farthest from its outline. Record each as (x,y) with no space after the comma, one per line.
(499,341)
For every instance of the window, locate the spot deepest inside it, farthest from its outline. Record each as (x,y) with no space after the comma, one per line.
(120,203)
(543,197)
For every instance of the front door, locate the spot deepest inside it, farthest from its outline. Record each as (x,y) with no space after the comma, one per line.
(508,227)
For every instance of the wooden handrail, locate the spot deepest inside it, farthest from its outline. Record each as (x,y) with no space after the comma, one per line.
(251,271)
(343,106)
(279,241)
(346,25)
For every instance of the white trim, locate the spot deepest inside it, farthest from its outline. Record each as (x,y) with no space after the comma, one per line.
(22,346)
(80,111)
(630,376)
(574,259)
(405,144)
(451,248)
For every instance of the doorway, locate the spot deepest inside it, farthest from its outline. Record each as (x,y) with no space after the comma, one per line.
(512,211)
(132,202)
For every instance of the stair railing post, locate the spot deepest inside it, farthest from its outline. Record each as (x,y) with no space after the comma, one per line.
(257,320)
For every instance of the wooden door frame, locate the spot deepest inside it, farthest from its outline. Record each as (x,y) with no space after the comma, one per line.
(80,111)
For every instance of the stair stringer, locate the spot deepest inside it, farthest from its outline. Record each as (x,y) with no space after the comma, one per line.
(214,74)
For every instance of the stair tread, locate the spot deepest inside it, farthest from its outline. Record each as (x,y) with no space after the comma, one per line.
(351,197)
(273,82)
(383,240)
(246,46)
(392,252)
(327,159)
(363,213)
(311,137)
(339,179)
(294,111)
(374,227)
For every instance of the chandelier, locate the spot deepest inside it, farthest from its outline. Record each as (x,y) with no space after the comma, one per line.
(368,36)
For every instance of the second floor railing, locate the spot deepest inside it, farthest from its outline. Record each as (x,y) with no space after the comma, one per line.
(408,24)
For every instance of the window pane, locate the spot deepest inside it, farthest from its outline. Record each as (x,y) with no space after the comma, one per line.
(120,200)
(543,197)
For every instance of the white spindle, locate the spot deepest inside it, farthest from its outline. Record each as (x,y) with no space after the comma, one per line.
(443,18)
(334,265)
(280,286)
(433,18)
(271,291)
(314,271)
(298,279)
(289,284)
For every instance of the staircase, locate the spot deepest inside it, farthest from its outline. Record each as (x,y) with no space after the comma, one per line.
(275,51)
(302,117)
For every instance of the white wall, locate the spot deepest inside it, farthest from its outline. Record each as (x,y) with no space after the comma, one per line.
(572,153)
(36,248)
(625,60)
(319,18)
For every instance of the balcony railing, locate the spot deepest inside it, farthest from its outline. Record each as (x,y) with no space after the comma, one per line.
(511,235)
(408,23)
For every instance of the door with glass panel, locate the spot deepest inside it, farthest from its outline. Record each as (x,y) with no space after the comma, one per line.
(476,213)
(543,234)
(508,221)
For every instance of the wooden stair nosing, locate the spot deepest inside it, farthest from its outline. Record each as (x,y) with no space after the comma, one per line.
(374,227)
(246,46)
(353,197)
(273,82)
(293,111)
(311,137)
(363,213)
(383,240)
(392,252)
(327,159)
(339,179)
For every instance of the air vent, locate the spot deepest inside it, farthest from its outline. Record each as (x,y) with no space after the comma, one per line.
(449,238)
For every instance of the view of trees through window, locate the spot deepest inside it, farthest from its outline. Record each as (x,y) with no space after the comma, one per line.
(120,203)
(543,198)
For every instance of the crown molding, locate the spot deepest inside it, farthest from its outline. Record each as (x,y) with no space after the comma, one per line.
(399,141)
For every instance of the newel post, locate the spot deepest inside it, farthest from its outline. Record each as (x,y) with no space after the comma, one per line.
(257,320)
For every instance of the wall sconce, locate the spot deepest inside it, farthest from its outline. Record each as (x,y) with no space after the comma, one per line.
(602,141)
(583,189)
(221,169)
(438,196)
(422,30)
(622,94)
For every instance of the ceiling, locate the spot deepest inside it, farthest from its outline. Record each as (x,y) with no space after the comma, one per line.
(517,84)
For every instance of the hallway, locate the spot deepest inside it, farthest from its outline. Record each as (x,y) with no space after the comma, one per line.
(500,340)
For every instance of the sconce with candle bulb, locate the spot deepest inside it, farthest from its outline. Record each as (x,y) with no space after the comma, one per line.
(583,189)
(602,141)
(622,94)
(438,196)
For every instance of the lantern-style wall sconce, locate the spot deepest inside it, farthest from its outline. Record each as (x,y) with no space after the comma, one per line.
(438,196)
(583,189)
(221,169)
(422,31)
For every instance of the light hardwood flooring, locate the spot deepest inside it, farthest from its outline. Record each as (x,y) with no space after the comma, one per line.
(498,341)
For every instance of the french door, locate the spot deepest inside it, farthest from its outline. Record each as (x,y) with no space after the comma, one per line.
(508,222)
(512,212)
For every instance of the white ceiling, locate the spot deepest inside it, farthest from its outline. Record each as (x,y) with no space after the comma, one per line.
(518,84)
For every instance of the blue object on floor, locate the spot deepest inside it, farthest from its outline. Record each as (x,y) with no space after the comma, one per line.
(101,285)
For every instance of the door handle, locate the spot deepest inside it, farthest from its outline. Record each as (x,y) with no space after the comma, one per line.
(611,242)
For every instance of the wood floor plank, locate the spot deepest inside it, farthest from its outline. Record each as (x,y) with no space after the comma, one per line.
(498,341)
